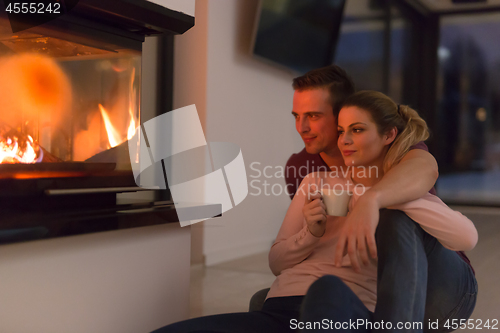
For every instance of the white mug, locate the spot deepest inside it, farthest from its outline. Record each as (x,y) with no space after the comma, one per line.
(336,201)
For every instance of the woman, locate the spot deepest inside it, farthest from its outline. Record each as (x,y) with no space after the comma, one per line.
(305,248)
(422,284)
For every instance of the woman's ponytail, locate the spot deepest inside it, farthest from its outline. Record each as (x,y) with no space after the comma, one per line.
(414,131)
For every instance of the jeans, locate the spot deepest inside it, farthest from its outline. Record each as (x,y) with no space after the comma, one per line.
(421,286)
(275,317)
(330,299)
(419,281)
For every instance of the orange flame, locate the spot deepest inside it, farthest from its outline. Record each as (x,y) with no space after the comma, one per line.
(11,152)
(132,105)
(131,126)
(113,135)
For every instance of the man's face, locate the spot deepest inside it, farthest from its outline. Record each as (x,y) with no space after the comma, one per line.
(314,120)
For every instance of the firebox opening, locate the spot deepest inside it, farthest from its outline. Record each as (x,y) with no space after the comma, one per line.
(65,102)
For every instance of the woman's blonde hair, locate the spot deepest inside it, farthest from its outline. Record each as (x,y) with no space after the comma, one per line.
(411,128)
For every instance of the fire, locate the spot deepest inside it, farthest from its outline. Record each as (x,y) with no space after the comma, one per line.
(14,149)
(114,136)
(132,102)
(131,127)
(111,122)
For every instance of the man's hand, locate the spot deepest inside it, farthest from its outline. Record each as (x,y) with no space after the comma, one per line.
(315,214)
(358,234)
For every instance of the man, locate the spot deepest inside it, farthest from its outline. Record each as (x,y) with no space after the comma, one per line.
(317,100)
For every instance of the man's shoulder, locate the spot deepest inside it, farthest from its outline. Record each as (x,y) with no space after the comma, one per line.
(299,165)
(423,146)
(420,145)
(303,157)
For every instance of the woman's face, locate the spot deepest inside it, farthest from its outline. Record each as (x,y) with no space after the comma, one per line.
(359,140)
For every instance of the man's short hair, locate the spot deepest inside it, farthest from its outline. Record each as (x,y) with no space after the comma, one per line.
(333,78)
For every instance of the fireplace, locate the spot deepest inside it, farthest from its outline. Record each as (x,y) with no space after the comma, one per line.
(69,102)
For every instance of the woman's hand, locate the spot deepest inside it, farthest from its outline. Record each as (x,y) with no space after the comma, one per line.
(315,214)
(357,236)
